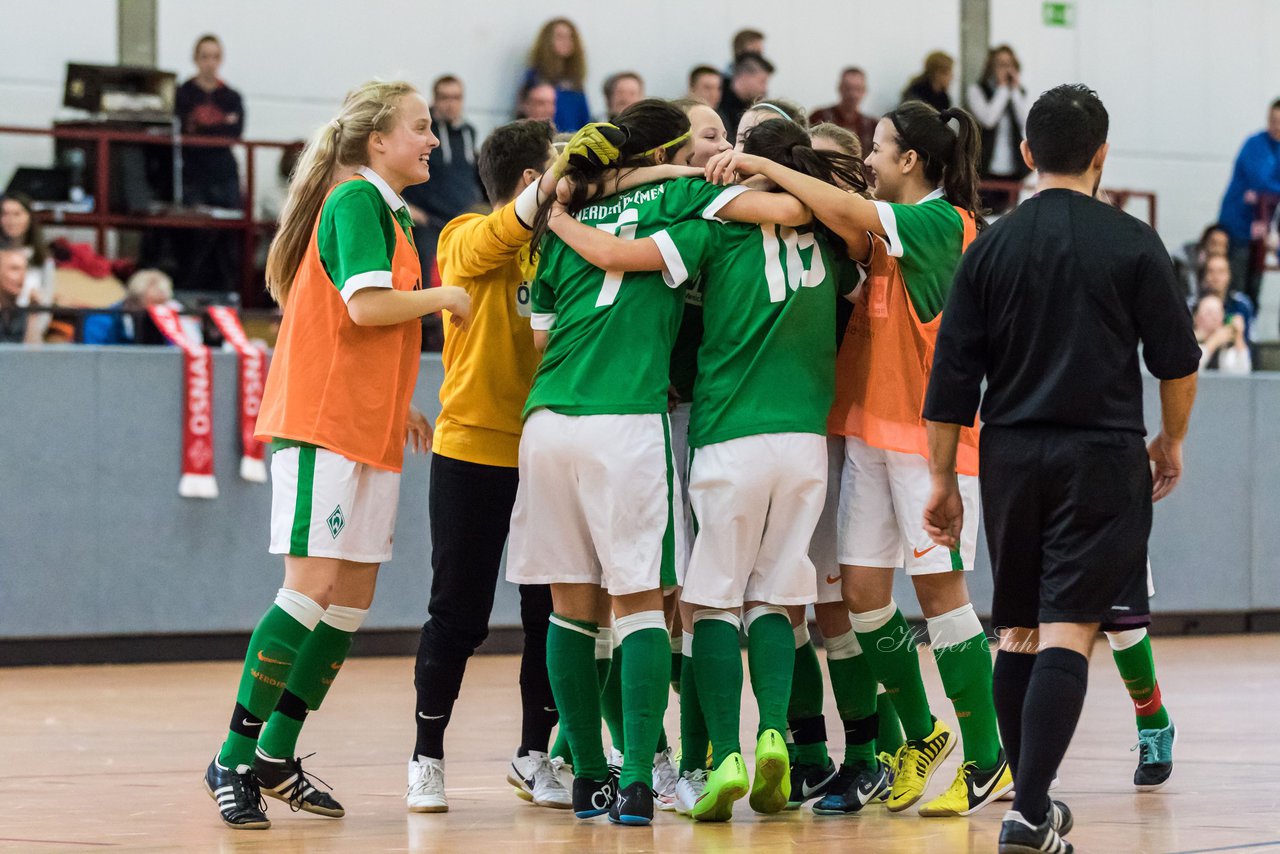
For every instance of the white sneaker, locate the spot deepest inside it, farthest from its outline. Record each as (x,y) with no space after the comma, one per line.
(426,785)
(689,788)
(1008,796)
(537,779)
(564,771)
(614,760)
(665,776)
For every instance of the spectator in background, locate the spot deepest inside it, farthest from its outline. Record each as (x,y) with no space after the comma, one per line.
(1215,279)
(852,88)
(1000,104)
(15,324)
(1256,174)
(705,86)
(1222,342)
(19,229)
(538,102)
(1189,263)
(454,187)
(744,41)
(557,57)
(205,106)
(128,323)
(748,84)
(621,90)
(931,85)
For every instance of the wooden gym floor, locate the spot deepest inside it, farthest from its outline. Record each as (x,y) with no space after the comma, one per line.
(110,758)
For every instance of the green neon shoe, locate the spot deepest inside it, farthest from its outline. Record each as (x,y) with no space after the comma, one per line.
(772,787)
(725,785)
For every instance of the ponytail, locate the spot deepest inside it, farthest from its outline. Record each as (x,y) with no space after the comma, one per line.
(308,185)
(949,157)
(650,126)
(342,142)
(960,175)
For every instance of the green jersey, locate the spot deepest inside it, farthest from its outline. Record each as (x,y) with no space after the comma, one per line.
(767,360)
(610,334)
(927,239)
(357,232)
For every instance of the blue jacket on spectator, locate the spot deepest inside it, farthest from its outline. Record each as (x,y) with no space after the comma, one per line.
(106,328)
(1258,169)
(572,111)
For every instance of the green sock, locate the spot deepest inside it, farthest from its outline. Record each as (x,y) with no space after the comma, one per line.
(646,678)
(560,747)
(677,662)
(804,713)
(611,700)
(317,665)
(1137,668)
(693,726)
(771,654)
(889,736)
(273,648)
(717,660)
(966,675)
(576,687)
(854,688)
(891,652)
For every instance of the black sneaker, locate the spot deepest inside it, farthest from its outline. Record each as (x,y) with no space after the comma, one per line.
(852,789)
(284,780)
(1060,818)
(593,797)
(1155,757)
(1019,836)
(237,796)
(634,805)
(809,782)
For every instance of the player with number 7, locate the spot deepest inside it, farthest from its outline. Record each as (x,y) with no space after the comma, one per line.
(765,382)
(594,510)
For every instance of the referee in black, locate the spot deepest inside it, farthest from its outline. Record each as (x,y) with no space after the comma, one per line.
(1050,305)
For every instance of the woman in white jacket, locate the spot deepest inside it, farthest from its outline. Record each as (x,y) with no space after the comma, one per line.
(1000,105)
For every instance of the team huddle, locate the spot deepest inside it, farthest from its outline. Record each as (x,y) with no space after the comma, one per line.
(723,428)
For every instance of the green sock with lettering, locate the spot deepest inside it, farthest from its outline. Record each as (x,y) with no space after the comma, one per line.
(273,648)
(319,660)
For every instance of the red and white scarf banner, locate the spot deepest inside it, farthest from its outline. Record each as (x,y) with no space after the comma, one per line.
(197,479)
(253,372)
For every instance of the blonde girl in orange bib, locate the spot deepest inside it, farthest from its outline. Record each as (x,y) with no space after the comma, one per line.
(336,410)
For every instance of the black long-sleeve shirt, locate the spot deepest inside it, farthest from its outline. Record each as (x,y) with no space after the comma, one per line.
(204,113)
(1050,304)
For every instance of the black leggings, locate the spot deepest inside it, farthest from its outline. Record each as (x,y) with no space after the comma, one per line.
(470,509)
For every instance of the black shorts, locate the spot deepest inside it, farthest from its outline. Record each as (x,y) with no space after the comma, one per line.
(1068,515)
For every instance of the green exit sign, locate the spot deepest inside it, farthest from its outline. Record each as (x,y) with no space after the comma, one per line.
(1059,14)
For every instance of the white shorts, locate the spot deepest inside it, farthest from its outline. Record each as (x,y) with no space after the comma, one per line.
(822,549)
(325,505)
(679,418)
(596,503)
(755,502)
(881,517)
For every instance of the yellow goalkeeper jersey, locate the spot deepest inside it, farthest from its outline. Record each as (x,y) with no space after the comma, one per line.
(489,366)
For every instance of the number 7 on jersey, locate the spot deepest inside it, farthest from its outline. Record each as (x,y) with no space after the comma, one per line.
(625,227)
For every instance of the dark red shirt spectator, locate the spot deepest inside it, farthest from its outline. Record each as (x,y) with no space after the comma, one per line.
(852,89)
